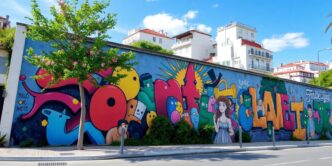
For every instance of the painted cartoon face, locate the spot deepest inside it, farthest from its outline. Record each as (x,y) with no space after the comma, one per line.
(222,107)
(130,84)
(194,117)
(179,108)
(135,110)
(203,103)
(171,105)
(247,100)
(149,117)
(147,87)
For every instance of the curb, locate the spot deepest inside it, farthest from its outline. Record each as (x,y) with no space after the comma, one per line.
(165,153)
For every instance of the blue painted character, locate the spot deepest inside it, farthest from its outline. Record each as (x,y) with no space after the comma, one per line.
(174,109)
(56,129)
(245,111)
(194,117)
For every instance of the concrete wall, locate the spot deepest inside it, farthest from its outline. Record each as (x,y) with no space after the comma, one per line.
(162,85)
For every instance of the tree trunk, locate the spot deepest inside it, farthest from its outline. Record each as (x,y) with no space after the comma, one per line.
(82,119)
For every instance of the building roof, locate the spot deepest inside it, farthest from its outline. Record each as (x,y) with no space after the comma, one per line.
(302,63)
(151,32)
(190,32)
(251,43)
(2,17)
(292,71)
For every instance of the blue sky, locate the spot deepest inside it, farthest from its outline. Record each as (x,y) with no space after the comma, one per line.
(294,29)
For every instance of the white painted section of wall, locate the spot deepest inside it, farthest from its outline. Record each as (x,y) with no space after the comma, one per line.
(13,80)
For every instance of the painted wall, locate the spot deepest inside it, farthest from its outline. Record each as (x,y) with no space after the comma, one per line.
(170,87)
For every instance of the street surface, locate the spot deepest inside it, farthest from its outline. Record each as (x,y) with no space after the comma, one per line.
(318,156)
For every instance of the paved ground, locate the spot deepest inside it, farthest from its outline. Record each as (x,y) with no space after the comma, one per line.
(109,152)
(319,156)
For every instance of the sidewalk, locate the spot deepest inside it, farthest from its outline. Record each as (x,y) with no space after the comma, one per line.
(112,152)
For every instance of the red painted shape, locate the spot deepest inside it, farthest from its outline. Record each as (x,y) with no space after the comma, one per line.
(43,82)
(290,123)
(107,106)
(189,90)
(163,90)
(42,98)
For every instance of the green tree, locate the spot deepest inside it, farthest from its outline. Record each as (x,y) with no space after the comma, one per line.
(7,40)
(150,46)
(324,79)
(75,55)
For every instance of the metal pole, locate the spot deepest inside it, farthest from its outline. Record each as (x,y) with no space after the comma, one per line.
(273,137)
(122,140)
(308,130)
(240,136)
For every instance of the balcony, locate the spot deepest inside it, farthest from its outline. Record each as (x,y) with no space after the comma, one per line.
(261,68)
(181,43)
(266,56)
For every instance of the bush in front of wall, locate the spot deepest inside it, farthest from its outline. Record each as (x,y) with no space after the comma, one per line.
(161,131)
(206,134)
(27,143)
(184,133)
(246,137)
(2,140)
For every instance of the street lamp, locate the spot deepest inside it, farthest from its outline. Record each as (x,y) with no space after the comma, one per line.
(325,49)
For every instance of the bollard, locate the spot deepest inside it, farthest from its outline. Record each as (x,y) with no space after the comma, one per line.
(240,136)
(308,134)
(273,137)
(122,140)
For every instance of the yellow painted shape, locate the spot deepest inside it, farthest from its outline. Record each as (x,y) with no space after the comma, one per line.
(129,84)
(75,101)
(44,123)
(297,107)
(271,115)
(149,117)
(258,122)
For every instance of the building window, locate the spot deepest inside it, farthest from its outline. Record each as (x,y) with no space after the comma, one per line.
(267,66)
(154,39)
(252,35)
(160,40)
(252,51)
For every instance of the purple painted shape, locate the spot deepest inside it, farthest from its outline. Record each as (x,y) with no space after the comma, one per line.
(42,98)
(211,103)
(175,117)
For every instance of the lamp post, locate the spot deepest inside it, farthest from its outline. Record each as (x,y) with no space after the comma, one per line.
(325,49)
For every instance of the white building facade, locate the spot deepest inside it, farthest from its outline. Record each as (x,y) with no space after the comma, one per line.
(194,44)
(302,71)
(159,38)
(237,47)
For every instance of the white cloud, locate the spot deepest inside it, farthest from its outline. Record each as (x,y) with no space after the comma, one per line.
(289,40)
(215,5)
(164,21)
(191,14)
(172,25)
(204,28)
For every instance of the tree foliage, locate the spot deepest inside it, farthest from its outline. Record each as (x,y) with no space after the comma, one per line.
(7,40)
(68,32)
(150,46)
(324,79)
(74,54)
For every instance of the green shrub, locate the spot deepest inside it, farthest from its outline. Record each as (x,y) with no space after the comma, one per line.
(206,134)
(2,140)
(27,143)
(246,137)
(161,131)
(184,134)
(115,143)
(323,137)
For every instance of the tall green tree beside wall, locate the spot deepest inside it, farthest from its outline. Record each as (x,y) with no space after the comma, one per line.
(324,79)
(150,46)
(7,41)
(74,56)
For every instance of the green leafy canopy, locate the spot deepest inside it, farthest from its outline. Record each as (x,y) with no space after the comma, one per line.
(75,55)
(150,46)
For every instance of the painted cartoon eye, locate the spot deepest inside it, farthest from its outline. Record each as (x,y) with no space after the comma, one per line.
(131,106)
(195,82)
(134,78)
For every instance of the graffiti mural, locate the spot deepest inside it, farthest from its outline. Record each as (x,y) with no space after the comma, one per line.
(164,86)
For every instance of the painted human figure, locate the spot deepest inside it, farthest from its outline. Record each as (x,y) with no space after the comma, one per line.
(260,109)
(311,123)
(114,134)
(222,122)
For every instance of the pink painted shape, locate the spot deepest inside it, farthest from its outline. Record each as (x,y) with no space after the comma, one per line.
(42,98)
(316,116)
(189,88)
(105,73)
(163,90)
(175,117)
(211,103)
(288,124)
